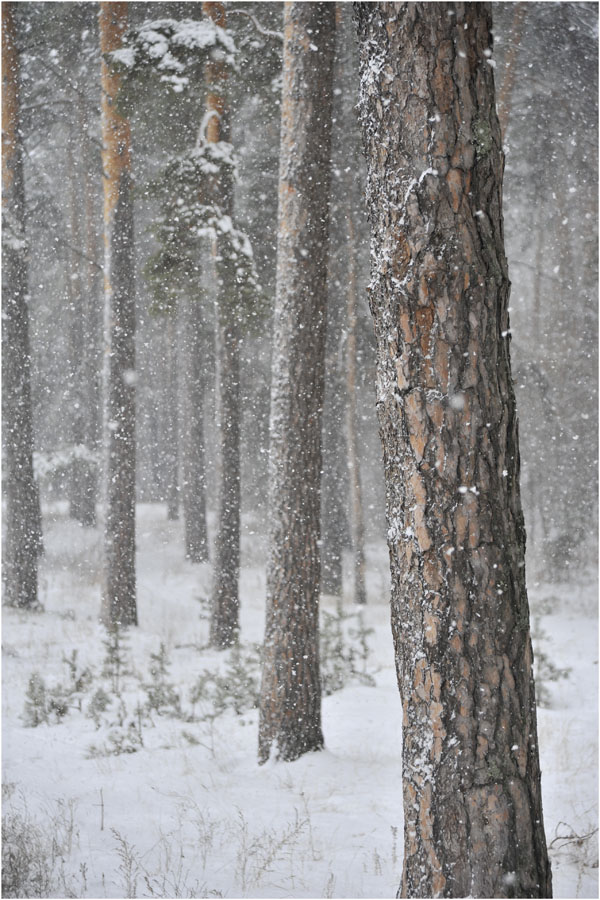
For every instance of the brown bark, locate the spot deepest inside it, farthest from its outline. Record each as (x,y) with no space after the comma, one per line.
(23,542)
(439,298)
(290,704)
(119,588)
(224,623)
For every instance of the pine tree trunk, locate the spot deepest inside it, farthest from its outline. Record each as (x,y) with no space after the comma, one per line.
(93,291)
(439,298)
(119,588)
(194,467)
(334,488)
(172,416)
(510,71)
(356,503)
(290,703)
(351,200)
(22,523)
(224,623)
(82,500)
(334,481)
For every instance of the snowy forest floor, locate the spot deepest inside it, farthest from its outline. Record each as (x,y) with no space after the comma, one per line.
(155,796)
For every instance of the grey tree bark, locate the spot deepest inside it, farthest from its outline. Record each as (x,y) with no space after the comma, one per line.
(351,184)
(290,703)
(334,492)
(93,289)
(23,531)
(439,298)
(224,622)
(356,502)
(194,467)
(172,417)
(82,494)
(119,606)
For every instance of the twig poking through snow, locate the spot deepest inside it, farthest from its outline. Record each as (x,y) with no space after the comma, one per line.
(278,35)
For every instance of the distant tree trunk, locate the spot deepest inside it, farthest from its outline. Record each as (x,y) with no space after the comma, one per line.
(344,239)
(22,522)
(194,467)
(334,487)
(172,416)
(334,482)
(82,500)
(510,68)
(93,290)
(439,298)
(356,503)
(119,588)
(224,623)
(290,703)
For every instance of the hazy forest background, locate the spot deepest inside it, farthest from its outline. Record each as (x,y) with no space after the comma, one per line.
(90,756)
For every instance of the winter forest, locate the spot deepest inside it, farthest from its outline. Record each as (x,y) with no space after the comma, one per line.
(299,449)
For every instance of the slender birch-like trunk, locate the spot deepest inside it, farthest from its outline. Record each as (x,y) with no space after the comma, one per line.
(119,588)
(290,703)
(446,405)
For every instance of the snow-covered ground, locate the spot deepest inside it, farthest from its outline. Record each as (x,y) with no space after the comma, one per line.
(190,813)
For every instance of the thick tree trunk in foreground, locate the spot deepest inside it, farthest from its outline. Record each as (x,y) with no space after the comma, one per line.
(23,520)
(290,704)
(119,588)
(224,623)
(439,297)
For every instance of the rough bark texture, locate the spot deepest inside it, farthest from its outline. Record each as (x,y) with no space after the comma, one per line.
(194,467)
(290,704)
(22,522)
(224,623)
(439,297)
(119,587)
